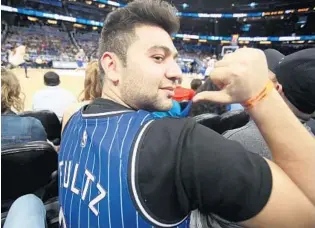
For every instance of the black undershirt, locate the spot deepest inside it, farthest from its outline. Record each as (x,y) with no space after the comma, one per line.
(184,166)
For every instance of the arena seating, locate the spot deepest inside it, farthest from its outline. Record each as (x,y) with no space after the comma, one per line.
(232,119)
(28,168)
(88,41)
(47,42)
(221,123)
(50,122)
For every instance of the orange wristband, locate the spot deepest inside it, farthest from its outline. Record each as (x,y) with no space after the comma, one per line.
(254,100)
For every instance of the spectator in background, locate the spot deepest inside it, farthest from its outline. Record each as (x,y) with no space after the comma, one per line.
(92,90)
(53,97)
(181,93)
(294,78)
(203,107)
(16,129)
(195,84)
(92,86)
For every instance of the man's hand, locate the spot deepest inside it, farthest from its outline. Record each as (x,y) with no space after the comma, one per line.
(240,76)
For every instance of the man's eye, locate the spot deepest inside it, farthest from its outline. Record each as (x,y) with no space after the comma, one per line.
(158,58)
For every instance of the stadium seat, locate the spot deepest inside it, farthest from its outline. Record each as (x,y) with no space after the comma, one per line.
(50,122)
(232,119)
(226,121)
(28,168)
(209,120)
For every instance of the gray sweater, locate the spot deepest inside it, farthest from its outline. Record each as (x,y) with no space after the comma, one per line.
(250,137)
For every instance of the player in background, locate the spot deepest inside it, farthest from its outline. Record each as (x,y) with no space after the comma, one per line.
(18,57)
(80,57)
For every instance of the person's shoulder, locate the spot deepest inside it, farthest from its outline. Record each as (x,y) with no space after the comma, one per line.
(73,109)
(169,130)
(174,123)
(39,93)
(67,94)
(32,122)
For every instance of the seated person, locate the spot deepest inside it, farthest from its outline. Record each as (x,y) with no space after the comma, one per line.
(175,111)
(195,84)
(183,94)
(16,129)
(206,106)
(293,79)
(92,89)
(26,211)
(53,97)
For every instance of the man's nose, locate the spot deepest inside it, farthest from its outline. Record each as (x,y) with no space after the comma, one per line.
(174,72)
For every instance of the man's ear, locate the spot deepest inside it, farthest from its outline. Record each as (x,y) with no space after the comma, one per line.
(279,89)
(109,64)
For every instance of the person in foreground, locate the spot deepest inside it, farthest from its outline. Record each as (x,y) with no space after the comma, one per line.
(121,167)
(26,211)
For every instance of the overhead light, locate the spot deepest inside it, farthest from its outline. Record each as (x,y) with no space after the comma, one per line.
(185,5)
(52,22)
(78,26)
(32,18)
(88,2)
(253,4)
(265,42)
(94,28)
(101,5)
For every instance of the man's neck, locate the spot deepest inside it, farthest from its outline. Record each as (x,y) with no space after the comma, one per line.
(110,95)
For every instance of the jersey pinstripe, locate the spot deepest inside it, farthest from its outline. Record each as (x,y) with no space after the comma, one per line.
(94,159)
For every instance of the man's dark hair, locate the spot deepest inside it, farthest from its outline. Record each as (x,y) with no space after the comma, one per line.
(51,79)
(195,84)
(206,106)
(118,31)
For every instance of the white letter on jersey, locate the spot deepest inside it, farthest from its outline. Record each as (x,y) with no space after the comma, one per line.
(88,179)
(73,188)
(66,176)
(97,199)
(62,218)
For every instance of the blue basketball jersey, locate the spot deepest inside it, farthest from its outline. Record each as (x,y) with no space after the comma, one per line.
(96,155)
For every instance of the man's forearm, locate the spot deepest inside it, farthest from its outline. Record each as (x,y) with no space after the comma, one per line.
(293,148)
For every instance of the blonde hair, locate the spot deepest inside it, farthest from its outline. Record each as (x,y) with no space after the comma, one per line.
(10,92)
(92,84)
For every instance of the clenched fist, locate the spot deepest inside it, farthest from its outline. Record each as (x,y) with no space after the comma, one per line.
(240,76)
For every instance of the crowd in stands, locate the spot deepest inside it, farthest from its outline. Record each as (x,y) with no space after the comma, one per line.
(44,43)
(232,150)
(88,41)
